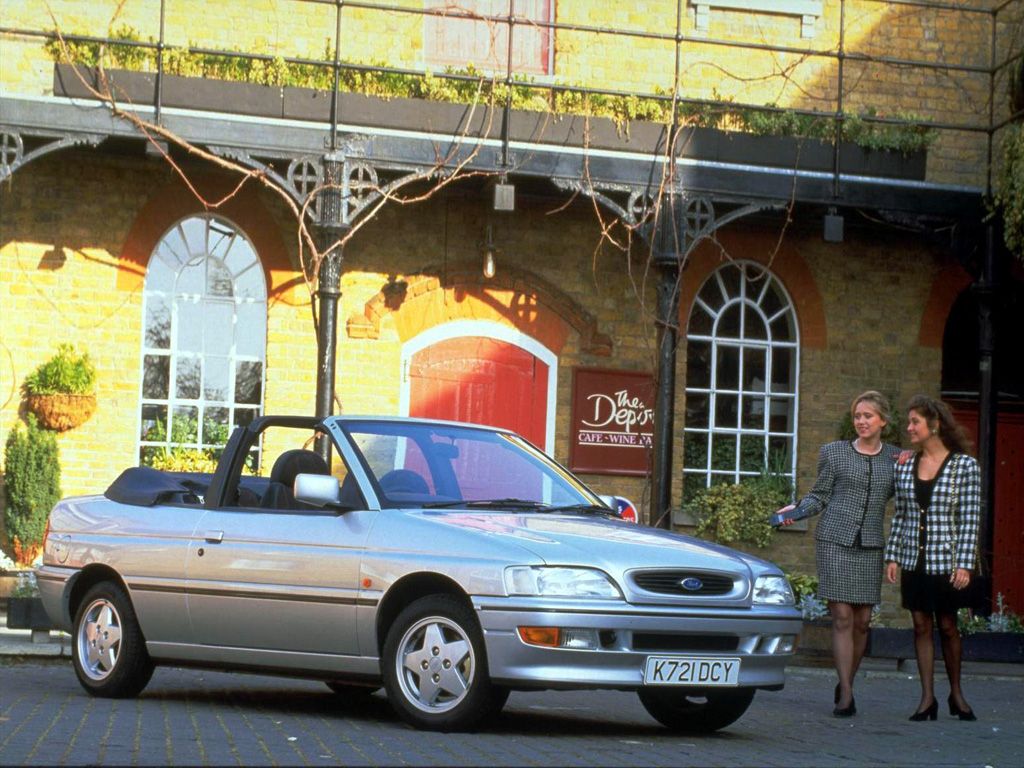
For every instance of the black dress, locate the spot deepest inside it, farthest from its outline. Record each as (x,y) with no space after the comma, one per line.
(929,592)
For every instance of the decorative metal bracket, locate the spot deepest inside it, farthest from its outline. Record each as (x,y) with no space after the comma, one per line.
(13,155)
(305,181)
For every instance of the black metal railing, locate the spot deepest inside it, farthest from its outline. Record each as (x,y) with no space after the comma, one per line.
(675,101)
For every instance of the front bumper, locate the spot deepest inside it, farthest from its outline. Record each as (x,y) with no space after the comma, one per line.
(629,635)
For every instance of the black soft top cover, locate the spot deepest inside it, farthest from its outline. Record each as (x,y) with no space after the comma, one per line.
(145,487)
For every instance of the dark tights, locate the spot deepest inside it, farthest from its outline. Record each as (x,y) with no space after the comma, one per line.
(949,635)
(849,641)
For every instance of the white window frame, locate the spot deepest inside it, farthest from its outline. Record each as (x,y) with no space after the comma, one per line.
(172,352)
(809,11)
(713,392)
(490,330)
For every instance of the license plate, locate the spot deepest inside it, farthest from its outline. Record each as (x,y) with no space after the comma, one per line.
(691,670)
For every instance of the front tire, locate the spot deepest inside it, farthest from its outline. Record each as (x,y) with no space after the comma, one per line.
(109,651)
(696,711)
(435,666)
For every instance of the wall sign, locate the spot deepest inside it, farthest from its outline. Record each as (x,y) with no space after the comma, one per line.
(612,422)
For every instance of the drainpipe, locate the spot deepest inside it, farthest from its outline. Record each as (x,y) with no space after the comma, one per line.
(988,402)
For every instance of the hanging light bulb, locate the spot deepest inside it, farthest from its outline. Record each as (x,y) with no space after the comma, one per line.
(489,252)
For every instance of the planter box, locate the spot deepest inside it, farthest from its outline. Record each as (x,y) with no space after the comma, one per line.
(27,613)
(1003,647)
(708,144)
(816,638)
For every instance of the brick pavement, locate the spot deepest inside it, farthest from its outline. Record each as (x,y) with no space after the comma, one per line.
(193,717)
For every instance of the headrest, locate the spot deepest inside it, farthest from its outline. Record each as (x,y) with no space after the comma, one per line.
(295,462)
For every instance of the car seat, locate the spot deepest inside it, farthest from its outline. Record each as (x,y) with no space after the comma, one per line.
(289,464)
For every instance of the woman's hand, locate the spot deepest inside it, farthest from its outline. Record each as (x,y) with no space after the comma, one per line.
(904,457)
(782,510)
(961,578)
(892,572)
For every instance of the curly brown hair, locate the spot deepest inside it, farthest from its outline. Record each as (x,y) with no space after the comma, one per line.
(941,422)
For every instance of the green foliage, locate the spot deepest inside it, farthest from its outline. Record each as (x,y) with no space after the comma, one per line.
(32,479)
(909,135)
(739,512)
(802,584)
(66,372)
(892,432)
(184,460)
(1009,194)
(1001,620)
(473,86)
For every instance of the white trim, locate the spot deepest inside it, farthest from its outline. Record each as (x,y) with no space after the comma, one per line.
(487,329)
(809,11)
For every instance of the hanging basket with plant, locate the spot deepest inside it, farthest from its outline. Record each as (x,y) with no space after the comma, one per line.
(61,391)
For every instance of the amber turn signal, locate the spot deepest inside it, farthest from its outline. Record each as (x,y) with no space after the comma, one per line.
(549,636)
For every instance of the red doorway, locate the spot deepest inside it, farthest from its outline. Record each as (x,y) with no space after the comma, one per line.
(484,381)
(1008,500)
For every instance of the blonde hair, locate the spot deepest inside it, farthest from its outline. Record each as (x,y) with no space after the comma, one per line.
(876,400)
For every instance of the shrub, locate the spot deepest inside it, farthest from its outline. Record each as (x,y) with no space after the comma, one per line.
(32,477)
(802,584)
(184,460)
(728,513)
(65,373)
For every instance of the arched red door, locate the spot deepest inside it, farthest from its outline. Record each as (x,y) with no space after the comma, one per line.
(481,380)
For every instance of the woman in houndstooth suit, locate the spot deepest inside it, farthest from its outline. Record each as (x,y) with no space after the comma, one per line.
(854,484)
(934,541)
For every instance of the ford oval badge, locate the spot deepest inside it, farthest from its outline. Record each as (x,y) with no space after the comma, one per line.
(691,583)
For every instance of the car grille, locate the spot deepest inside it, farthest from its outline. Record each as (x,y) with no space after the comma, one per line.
(671,582)
(655,641)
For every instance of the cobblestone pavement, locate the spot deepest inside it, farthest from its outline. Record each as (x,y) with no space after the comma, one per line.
(191,717)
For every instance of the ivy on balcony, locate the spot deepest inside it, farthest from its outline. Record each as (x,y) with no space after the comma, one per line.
(127,51)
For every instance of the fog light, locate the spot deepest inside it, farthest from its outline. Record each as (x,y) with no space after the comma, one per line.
(785,644)
(579,638)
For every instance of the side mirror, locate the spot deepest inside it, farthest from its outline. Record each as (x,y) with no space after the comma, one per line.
(621,506)
(317,490)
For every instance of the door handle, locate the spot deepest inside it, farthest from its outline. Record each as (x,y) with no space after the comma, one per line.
(214,537)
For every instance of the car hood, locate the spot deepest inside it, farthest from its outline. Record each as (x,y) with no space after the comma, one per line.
(621,549)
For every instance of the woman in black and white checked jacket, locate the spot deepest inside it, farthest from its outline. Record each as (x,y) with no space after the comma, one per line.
(934,542)
(854,484)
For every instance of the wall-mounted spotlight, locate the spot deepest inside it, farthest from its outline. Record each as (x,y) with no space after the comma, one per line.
(833,231)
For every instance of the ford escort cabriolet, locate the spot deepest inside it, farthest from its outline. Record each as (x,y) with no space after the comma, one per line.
(448,563)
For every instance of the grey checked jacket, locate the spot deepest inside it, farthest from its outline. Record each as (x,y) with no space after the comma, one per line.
(850,494)
(954,517)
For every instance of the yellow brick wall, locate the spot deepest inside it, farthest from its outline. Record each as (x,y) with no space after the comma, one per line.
(875,29)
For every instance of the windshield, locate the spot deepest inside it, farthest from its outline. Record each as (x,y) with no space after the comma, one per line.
(416,465)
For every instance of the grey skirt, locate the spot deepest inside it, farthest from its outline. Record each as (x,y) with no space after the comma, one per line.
(849,574)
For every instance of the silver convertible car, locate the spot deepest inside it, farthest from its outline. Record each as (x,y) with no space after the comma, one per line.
(448,563)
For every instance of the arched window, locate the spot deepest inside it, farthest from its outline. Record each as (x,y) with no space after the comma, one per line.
(742,366)
(204,340)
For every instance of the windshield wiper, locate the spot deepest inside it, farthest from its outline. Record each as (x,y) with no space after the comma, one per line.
(501,503)
(587,509)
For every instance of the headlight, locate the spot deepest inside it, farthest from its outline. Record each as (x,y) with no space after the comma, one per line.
(773,590)
(555,581)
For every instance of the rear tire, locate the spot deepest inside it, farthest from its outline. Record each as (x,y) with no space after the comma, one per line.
(435,666)
(109,651)
(696,710)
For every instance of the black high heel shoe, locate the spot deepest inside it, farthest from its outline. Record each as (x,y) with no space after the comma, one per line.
(849,711)
(963,714)
(931,712)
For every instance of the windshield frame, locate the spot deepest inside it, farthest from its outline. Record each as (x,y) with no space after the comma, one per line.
(353,427)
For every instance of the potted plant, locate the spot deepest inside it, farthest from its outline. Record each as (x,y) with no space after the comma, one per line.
(32,483)
(61,391)
(24,606)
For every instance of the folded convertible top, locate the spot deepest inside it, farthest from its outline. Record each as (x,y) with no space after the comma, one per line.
(145,487)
